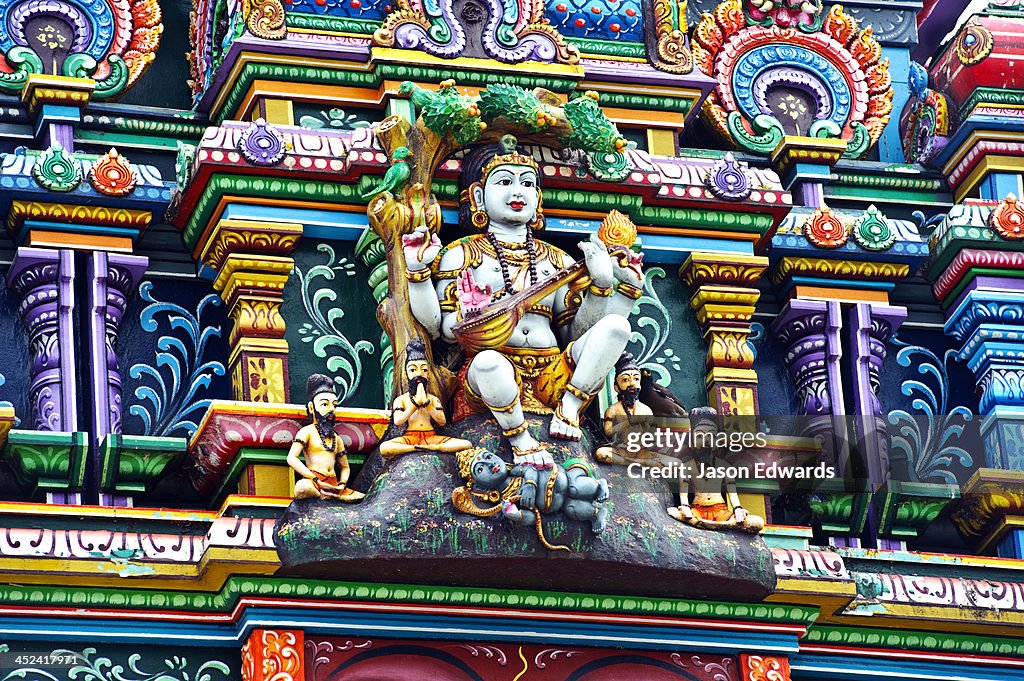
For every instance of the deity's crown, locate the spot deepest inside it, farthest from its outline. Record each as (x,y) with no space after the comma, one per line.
(509,157)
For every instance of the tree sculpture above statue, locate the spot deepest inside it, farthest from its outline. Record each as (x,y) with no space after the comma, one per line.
(784,67)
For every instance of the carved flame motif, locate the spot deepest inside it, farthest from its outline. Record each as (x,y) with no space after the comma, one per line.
(112,174)
(617,229)
(1008,219)
(824,229)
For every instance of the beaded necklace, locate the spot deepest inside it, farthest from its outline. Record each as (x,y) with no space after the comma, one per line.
(499,251)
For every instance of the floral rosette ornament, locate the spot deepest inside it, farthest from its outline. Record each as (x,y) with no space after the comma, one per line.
(1008,219)
(824,229)
(113,175)
(57,170)
(785,68)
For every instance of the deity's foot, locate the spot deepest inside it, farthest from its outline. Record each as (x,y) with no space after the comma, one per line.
(602,490)
(565,426)
(537,456)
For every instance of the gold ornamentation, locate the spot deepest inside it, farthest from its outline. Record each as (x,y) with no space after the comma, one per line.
(416,276)
(763,668)
(835,269)
(265,19)
(21,211)
(600,291)
(630,291)
(670,28)
(250,238)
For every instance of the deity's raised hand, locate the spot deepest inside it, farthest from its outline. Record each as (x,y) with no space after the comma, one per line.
(421,247)
(599,263)
(472,296)
(628,268)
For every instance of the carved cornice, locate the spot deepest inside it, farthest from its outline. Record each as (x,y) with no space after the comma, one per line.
(245,237)
(722,269)
(839,269)
(990,495)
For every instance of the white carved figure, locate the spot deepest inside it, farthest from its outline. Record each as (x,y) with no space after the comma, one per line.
(562,345)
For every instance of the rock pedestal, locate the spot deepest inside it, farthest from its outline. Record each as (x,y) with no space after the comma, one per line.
(406,529)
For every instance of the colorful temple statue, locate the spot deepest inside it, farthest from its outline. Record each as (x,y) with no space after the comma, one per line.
(349,340)
(704,478)
(419,411)
(567,324)
(323,465)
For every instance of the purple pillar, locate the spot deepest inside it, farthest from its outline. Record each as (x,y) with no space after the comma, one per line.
(810,330)
(871,328)
(43,279)
(112,278)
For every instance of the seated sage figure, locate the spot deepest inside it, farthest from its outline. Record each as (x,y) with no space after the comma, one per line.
(562,346)
(419,411)
(522,493)
(701,499)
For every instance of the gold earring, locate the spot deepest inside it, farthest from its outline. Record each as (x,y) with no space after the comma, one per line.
(479,219)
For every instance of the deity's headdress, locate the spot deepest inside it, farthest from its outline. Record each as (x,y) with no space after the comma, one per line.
(478,164)
(626,362)
(318,384)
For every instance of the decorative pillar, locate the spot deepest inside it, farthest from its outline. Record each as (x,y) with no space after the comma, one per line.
(112,277)
(809,329)
(871,328)
(987,321)
(43,279)
(724,300)
(274,655)
(370,249)
(252,265)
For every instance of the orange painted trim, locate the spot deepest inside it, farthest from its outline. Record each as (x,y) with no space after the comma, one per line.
(844,294)
(307,93)
(86,242)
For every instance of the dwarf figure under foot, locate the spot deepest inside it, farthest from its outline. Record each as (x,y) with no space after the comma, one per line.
(522,492)
(420,410)
(317,452)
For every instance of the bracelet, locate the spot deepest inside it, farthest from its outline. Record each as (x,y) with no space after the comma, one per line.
(512,432)
(630,291)
(600,291)
(417,275)
(529,482)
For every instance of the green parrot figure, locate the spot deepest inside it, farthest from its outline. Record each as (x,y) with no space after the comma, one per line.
(395,178)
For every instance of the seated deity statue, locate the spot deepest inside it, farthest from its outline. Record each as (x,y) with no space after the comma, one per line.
(323,465)
(701,499)
(563,346)
(628,415)
(420,410)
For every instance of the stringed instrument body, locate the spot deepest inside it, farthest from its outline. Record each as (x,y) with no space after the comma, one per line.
(493,326)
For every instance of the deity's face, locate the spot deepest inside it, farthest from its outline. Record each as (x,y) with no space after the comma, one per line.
(417,368)
(630,378)
(510,195)
(324,403)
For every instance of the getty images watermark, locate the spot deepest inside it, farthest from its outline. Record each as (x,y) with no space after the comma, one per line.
(668,453)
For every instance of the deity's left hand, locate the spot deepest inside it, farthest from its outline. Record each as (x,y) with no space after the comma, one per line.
(599,263)
(628,268)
